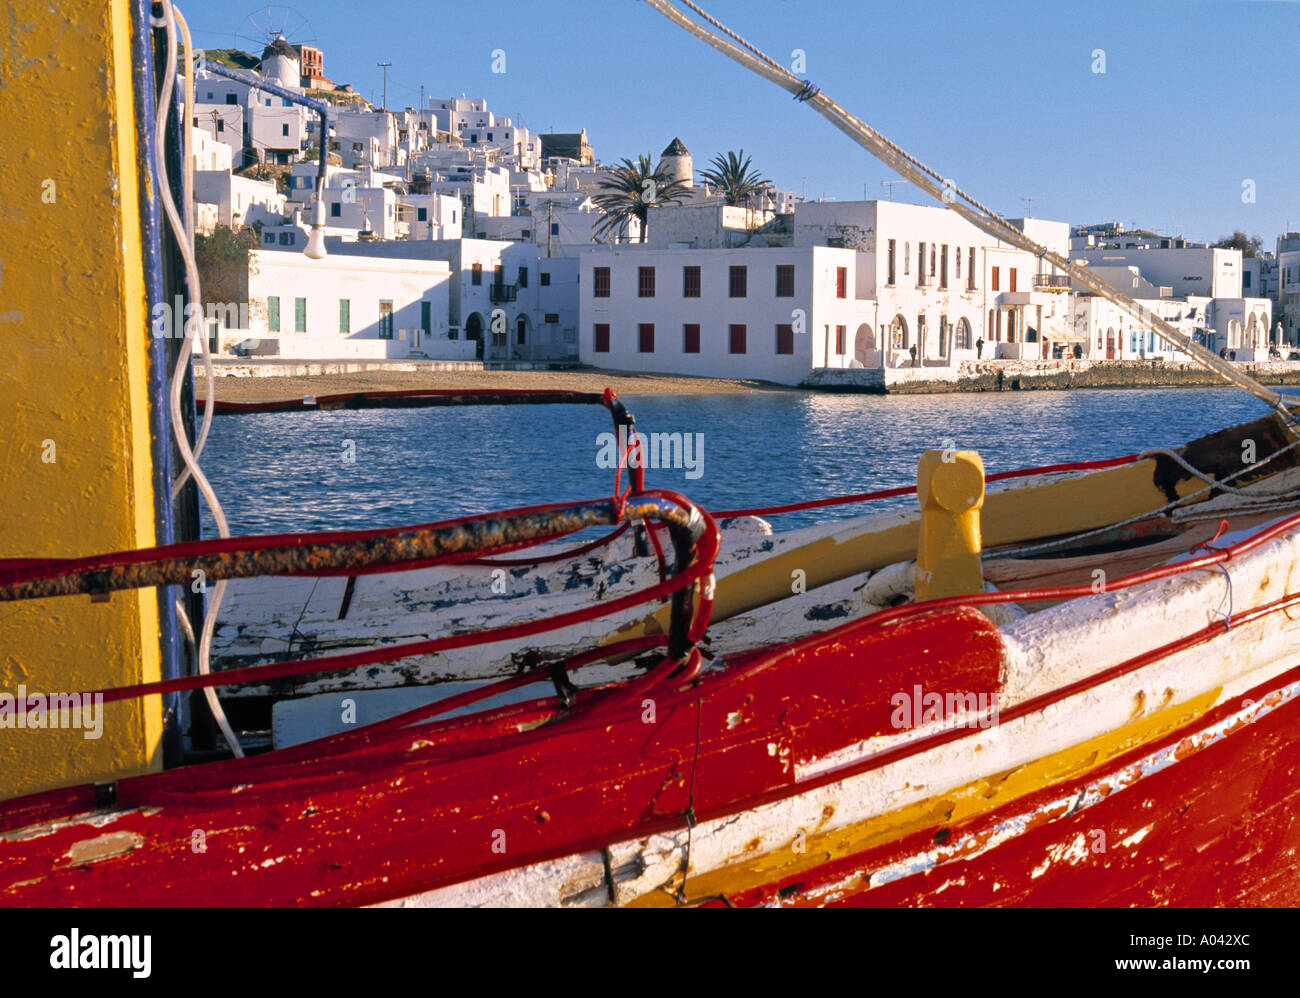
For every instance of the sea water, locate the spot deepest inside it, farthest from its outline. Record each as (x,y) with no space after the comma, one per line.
(303,471)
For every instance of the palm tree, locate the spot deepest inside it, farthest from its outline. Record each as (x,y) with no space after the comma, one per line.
(631,190)
(734,177)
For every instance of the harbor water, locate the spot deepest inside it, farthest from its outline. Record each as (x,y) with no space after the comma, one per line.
(278,472)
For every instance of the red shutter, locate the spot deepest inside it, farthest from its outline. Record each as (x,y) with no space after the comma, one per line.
(995,279)
(691,338)
(785,339)
(737,338)
(839,339)
(645,337)
(841,282)
(602,337)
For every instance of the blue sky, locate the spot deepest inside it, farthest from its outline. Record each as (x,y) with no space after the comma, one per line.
(1197,96)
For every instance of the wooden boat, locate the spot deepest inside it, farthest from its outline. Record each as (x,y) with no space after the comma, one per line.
(1077,686)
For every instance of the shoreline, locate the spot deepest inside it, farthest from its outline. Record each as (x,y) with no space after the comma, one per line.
(1010,377)
(294,386)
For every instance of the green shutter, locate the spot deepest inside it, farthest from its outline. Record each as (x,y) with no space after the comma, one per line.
(345,315)
(426,317)
(300,315)
(273,314)
(385,320)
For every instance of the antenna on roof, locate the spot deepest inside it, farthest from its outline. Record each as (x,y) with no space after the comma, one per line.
(1029,204)
(889,186)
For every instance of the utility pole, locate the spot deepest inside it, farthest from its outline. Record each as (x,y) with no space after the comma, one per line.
(889,186)
(550,205)
(1029,204)
(384,66)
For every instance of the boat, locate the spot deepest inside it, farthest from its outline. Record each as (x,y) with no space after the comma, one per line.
(1069,685)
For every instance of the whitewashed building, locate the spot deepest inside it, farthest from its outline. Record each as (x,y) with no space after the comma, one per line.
(771,314)
(942,285)
(349,306)
(1288,285)
(239,200)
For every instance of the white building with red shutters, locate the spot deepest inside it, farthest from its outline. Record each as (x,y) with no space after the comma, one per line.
(864,284)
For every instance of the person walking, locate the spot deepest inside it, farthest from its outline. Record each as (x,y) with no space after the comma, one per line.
(912,351)
(979,348)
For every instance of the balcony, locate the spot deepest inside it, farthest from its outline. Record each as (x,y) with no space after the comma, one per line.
(498,293)
(1052,282)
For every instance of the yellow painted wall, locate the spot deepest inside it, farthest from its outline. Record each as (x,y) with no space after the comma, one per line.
(73,381)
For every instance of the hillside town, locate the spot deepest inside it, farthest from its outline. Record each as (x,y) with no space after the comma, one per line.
(448,232)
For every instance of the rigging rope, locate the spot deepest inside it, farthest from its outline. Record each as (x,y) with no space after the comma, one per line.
(954,197)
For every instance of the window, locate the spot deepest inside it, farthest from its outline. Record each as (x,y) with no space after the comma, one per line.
(691,337)
(645,337)
(385,320)
(221,125)
(600,282)
(489,136)
(840,337)
(920,265)
(785,338)
(273,314)
(421,214)
(1245,280)
(956,259)
(889,272)
(336,210)
(231,99)
(476,274)
(523,277)
(645,282)
(736,338)
(555,228)
(1011,279)
(943,267)
(785,280)
(970,270)
(345,315)
(738,287)
(268,238)
(841,282)
(602,337)
(907,256)
(426,317)
(690,282)
(284,130)
(546,278)
(994,280)
(552,318)
(300,315)
(932,255)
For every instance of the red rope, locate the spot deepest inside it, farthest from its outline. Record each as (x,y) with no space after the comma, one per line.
(702,567)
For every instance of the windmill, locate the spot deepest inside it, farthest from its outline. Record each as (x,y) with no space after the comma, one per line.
(266,25)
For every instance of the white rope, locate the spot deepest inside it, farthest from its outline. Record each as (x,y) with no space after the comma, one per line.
(948,193)
(185,242)
(1219,483)
(208,372)
(1017,552)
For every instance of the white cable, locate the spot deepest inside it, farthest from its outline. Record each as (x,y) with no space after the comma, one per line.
(209,374)
(178,375)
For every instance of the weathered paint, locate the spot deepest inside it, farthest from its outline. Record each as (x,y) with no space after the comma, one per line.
(804,748)
(75,374)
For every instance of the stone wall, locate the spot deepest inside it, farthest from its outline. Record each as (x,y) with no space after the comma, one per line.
(1036,375)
